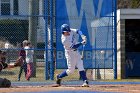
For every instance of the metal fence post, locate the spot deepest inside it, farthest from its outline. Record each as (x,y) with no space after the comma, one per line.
(46,39)
(51,42)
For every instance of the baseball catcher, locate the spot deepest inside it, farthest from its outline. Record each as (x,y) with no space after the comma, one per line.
(70,42)
(3,65)
(4,83)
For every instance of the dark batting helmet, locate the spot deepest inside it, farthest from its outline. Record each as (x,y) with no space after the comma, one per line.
(65,28)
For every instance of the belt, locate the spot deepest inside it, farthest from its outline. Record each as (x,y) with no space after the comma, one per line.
(71,50)
(75,50)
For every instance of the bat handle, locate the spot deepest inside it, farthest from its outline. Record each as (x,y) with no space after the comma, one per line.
(82,55)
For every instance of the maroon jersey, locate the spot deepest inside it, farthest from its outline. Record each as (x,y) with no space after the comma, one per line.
(22,53)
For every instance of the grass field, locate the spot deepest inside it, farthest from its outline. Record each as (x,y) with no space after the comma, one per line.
(12,74)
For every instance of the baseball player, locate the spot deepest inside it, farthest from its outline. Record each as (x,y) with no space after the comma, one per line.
(70,42)
(3,65)
(4,83)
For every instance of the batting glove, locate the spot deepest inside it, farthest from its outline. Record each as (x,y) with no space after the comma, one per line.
(84,37)
(84,42)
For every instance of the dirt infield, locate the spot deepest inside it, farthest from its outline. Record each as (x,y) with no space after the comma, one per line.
(129,88)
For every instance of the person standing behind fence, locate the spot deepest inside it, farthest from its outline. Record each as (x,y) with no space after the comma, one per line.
(22,54)
(29,59)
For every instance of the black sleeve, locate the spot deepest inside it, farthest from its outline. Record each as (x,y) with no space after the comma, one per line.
(5,65)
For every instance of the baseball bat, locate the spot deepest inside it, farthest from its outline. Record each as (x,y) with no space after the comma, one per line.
(82,55)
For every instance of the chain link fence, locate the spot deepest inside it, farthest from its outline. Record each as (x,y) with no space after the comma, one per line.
(23,20)
(35,21)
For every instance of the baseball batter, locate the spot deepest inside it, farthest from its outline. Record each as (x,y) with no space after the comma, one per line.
(70,42)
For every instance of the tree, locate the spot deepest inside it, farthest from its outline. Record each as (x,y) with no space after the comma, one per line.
(128,3)
(135,3)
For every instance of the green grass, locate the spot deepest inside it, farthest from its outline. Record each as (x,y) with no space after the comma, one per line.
(12,74)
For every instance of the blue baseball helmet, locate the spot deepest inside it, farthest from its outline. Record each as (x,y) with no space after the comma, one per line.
(65,28)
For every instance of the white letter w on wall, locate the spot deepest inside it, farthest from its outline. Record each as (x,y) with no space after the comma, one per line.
(87,10)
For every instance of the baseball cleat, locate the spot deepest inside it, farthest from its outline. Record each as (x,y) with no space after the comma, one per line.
(58,80)
(85,84)
(56,85)
(18,79)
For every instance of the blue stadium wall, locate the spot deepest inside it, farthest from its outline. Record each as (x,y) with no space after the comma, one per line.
(97,20)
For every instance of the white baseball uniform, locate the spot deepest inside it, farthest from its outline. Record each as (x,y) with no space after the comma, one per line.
(73,56)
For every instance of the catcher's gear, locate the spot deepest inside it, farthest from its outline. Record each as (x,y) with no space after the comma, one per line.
(3,65)
(5,83)
(65,28)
